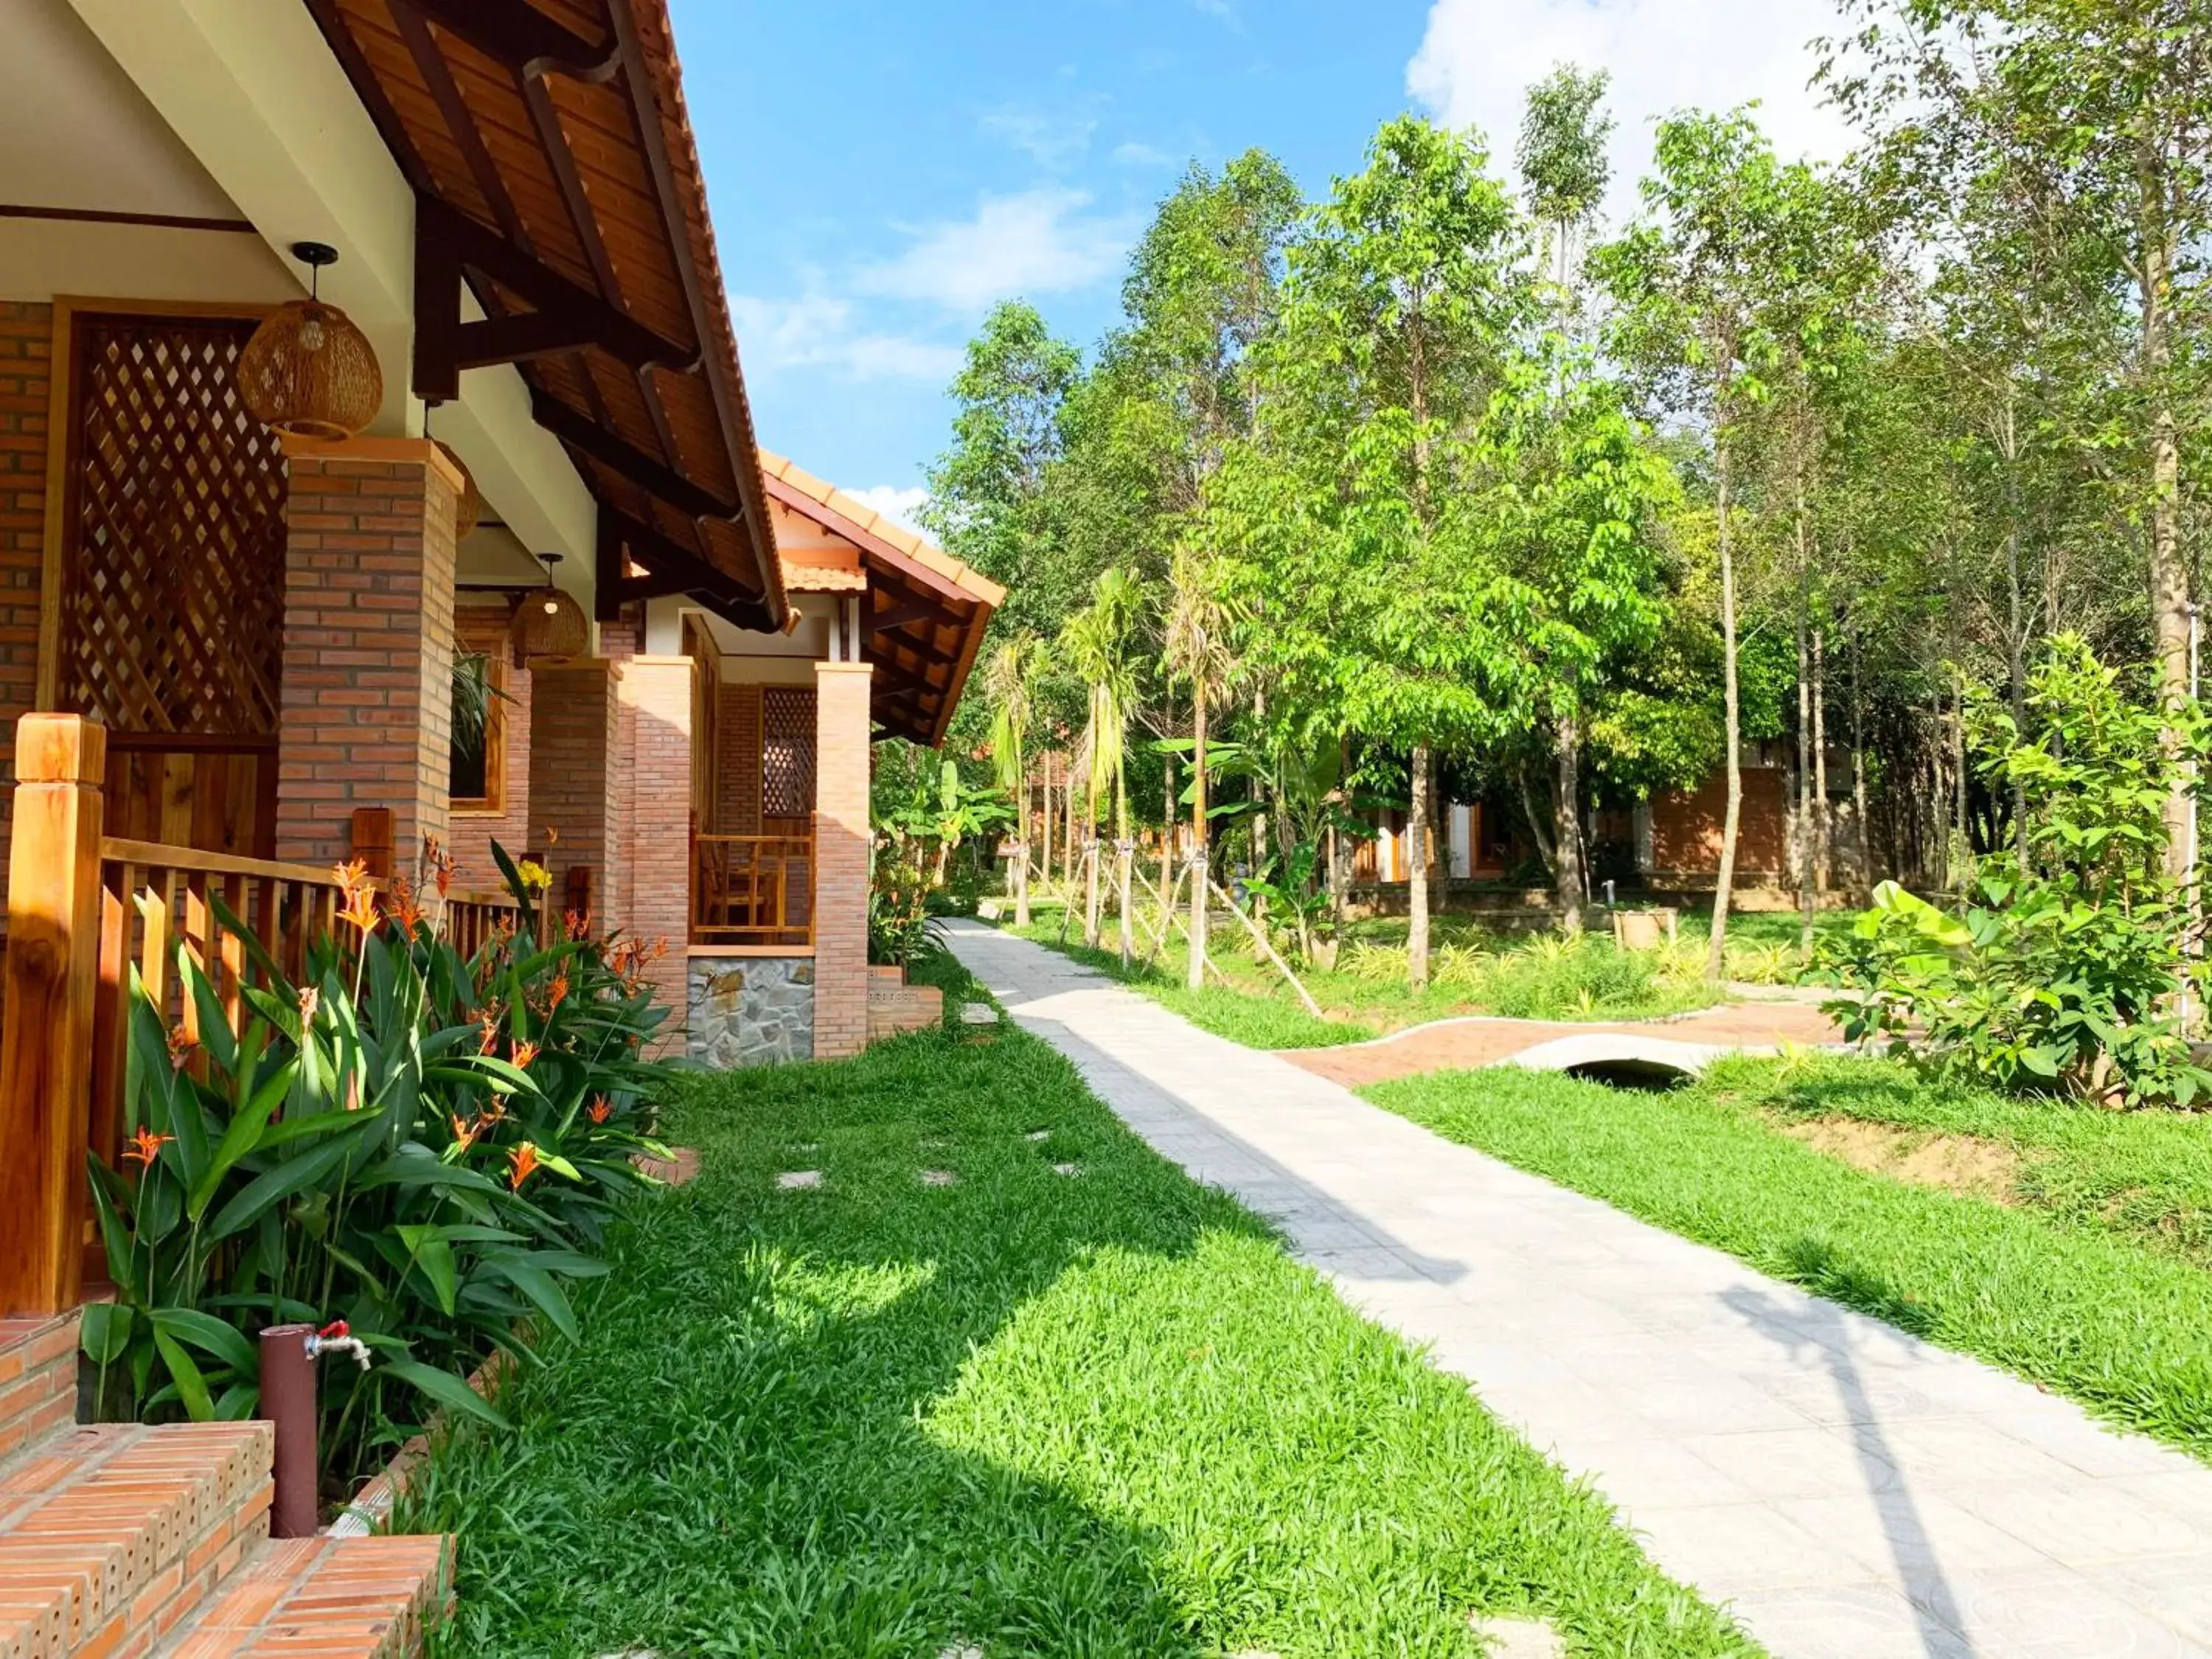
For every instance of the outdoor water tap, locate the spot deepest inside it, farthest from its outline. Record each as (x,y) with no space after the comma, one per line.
(336,1337)
(1609,902)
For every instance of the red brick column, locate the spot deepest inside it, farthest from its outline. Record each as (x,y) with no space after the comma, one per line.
(618,643)
(657,691)
(840,857)
(572,773)
(26,362)
(368,645)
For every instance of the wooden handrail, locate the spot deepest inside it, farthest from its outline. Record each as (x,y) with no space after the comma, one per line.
(161,855)
(752,890)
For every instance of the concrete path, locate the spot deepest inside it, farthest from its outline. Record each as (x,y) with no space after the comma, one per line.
(1850,1491)
(1685,1043)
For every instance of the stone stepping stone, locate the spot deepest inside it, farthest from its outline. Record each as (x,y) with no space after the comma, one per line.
(959,1651)
(1039,1134)
(794,1180)
(1067,1169)
(939,1178)
(978,1013)
(1518,1639)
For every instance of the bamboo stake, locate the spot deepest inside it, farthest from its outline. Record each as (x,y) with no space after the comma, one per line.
(1261,939)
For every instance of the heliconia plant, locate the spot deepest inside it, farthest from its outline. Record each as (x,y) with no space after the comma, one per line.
(425,1146)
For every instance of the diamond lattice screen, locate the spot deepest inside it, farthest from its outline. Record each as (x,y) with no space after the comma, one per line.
(173,591)
(787,751)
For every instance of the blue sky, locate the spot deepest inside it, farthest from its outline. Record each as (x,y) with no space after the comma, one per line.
(881,172)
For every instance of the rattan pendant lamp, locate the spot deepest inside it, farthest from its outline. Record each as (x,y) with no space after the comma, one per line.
(308,370)
(547,622)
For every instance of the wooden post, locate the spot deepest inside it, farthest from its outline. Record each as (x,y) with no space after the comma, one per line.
(52,972)
(370,839)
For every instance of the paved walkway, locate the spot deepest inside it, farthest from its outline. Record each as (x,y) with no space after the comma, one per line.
(1687,1041)
(1850,1491)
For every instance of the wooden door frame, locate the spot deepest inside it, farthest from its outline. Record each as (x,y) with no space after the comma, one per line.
(61,449)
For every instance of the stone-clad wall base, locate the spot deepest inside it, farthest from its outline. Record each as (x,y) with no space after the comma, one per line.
(751,1011)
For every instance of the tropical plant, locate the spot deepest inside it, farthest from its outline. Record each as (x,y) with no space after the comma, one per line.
(417,1145)
(1011,684)
(2067,975)
(1095,645)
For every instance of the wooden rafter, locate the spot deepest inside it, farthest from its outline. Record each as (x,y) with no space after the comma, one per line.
(518,37)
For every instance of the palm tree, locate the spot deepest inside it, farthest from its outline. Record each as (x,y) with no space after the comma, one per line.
(1094,643)
(1009,682)
(1201,622)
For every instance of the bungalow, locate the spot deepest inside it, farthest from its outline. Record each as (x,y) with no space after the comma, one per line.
(343,342)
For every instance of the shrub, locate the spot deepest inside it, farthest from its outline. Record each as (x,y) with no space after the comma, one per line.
(421,1146)
(2063,974)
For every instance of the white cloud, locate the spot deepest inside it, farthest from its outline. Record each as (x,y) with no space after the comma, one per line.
(1050,141)
(1133,155)
(1040,241)
(901,506)
(818,330)
(1479,57)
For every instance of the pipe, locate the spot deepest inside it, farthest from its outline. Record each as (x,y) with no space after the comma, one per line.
(288,1399)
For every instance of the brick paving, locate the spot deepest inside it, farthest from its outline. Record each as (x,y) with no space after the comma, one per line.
(1848,1489)
(1466,1044)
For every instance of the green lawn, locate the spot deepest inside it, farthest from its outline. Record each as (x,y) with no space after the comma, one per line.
(1475,971)
(2085,1273)
(1098,1414)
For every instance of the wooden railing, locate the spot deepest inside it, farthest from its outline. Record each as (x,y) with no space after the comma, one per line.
(76,927)
(752,890)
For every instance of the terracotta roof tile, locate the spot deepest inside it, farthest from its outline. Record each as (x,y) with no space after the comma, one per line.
(968,580)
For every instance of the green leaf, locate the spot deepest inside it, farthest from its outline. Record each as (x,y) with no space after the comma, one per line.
(534,1282)
(242,1136)
(295,1175)
(448,1390)
(192,1387)
(210,1335)
(104,1331)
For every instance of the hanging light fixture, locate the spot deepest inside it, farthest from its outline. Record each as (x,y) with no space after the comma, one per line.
(468,505)
(307,370)
(547,622)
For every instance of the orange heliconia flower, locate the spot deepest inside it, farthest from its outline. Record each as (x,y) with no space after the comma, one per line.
(579,924)
(352,875)
(519,1163)
(488,1028)
(556,993)
(360,909)
(310,999)
(144,1144)
(402,906)
(464,1134)
(181,1044)
(600,1109)
(524,1054)
(552,837)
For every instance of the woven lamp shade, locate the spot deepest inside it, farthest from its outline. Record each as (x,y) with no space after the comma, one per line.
(308,371)
(468,505)
(548,623)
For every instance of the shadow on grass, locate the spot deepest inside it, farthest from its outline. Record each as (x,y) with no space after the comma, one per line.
(736,1461)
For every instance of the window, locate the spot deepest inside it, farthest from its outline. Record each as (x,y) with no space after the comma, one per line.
(477,777)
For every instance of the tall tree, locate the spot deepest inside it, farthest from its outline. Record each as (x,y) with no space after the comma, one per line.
(1564,170)
(1096,643)
(1402,305)
(1010,683)
(1198,646)
(1692,290)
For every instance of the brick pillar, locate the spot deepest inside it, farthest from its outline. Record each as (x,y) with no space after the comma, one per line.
(368,644)
(618,643)
(840,857)
(572,774)
(658,692)
(26,365)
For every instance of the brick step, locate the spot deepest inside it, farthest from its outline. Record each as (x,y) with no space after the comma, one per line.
(330,1598)
(112,1533)
(38,1380)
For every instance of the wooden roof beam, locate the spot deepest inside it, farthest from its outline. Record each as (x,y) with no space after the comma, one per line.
(516,35)
(670,569)
(449,243)
(582,433)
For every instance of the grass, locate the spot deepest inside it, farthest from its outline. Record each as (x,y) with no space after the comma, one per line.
(2090,1282)
(1475,971)
(1103,1414)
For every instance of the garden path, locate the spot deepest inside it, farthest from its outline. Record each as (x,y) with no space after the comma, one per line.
(1850,1490)
(1684,1040)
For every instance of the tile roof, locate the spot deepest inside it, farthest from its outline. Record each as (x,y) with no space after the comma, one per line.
(971,583)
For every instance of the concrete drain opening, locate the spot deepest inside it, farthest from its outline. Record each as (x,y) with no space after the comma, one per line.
(1654,1077)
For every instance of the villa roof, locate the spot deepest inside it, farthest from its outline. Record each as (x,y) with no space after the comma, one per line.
(554,170)
(926,611)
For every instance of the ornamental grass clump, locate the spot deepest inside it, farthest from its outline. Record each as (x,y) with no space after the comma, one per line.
(422,1145)
(2061,970)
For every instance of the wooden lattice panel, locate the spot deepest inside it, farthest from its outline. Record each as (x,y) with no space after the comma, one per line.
(787,751)
(173,572)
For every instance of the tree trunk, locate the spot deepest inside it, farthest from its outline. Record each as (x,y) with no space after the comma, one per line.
(1802,837)
(1044,866)
(1731,695)
(1167,841)
(1339,872)
(1416,884)
(1959,761)
(1566,832)
(2015,631)
(1858,770)
(1823,819)
(1125,862)
(1200,896)
(2169,572)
